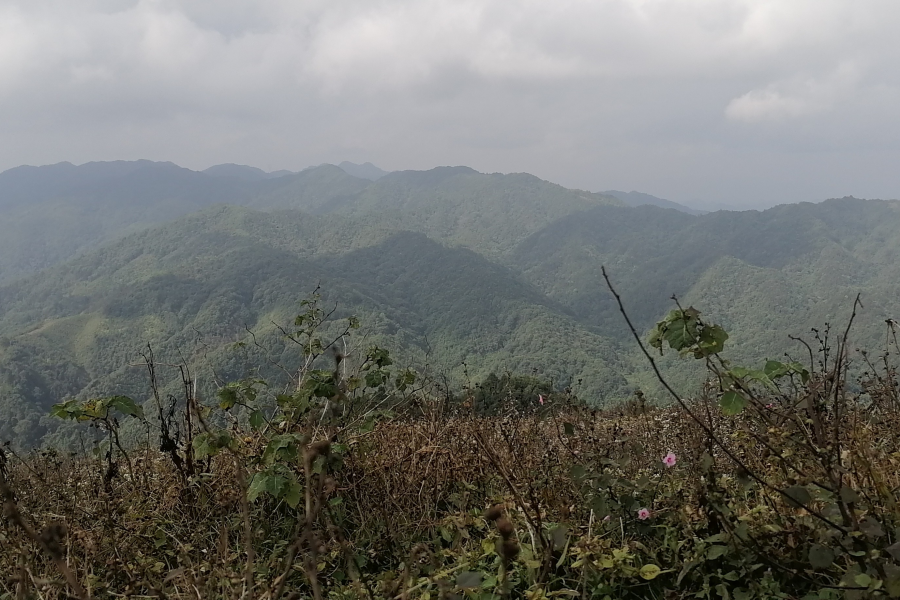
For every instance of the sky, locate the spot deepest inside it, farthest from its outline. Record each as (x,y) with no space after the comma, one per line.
(713,103)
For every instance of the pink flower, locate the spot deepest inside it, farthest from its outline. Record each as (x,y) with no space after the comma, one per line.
(541,399)
(669,459)
(770,406)
(643,514)
(606,518)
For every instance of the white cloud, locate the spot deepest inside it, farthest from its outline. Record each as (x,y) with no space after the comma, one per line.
(767,105)
(796,98)
(587,92)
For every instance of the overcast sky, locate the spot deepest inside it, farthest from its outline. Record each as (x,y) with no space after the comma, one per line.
(734,102)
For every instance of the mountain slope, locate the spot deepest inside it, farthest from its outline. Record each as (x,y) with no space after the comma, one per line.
(192,288)
(364,171)
(640,199)
(763,274)
(53,212)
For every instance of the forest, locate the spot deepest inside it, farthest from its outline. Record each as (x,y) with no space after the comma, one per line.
(439,384)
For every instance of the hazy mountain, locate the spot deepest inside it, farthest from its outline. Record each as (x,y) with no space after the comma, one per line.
(364,171)
(641,199)
(763,274)
(191,288)
(494,271)
(53,212)
(243,172)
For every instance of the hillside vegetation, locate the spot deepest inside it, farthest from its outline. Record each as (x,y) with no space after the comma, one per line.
(467,274)
(355,477)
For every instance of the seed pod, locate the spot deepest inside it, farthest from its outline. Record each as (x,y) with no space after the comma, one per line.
(320,448)
(504,527)
(509,549)
(493,513)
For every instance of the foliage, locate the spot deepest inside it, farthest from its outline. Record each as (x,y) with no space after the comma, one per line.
(361,481)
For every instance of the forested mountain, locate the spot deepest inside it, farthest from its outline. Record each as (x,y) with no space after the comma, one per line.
(447,266)
(52,212)
(641,199)
(194,287)
(363,171)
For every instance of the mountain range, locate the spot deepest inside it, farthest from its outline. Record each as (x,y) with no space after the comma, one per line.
(469,273)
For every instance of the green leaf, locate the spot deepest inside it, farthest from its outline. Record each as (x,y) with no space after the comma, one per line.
(257,420)
(559,536)
(281,448)
(711,341)
(732,403)
(278,482)
(469,580)
(375,378)
(799,495)
(775,369)
(820,557)
(569,429)
(227,397)
(849,495)
(126,406)
(211,443)
(70,409)
(715,552)
(871,527)
(894,551)
(291,492)
(650,571)
(863,580)
(258,485)
(578,472)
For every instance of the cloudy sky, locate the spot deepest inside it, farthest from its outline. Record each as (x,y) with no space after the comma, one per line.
(707,102)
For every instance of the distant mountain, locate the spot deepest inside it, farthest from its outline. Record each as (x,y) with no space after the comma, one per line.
(491,270)
(363,171)
(191,288)
(51,213)
(641,199)
(243,172)
(763,274)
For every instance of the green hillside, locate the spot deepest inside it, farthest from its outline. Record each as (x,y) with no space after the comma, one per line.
(470,273)
(55,211)
(195,287)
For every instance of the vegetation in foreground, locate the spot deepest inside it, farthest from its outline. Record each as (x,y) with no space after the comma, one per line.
(364,481)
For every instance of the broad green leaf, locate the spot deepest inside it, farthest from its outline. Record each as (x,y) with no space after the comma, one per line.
(820,557)
(871,527)
(258,485)
(649,572)
(375,378)
(732,403)
(711,341)
(578,471)
(799,495)
(257,420)
(559,536)
(849,495)
(70,409)
(281,448)
(227,397)
(210,443)
(292,492)
(775,369)
(715,552)
(126,406)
